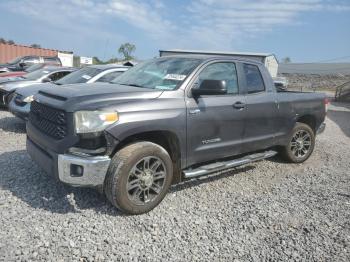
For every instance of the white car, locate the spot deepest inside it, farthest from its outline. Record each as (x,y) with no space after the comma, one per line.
(21,100)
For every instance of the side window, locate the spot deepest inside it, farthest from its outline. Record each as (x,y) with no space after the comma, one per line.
(221,71)
(109,76)
(254,81)
(58,75)
(31,60)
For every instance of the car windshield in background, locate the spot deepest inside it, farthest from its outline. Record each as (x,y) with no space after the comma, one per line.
(33,68)
(80,76)
(164,74)
(35,75)
(15,61)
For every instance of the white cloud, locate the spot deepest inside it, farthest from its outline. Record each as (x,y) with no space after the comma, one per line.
(224,20)
(146,16)
(209,24)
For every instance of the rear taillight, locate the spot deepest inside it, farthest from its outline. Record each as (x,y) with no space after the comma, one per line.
(326,103)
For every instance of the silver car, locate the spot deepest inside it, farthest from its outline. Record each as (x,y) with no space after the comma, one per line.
(20,103)
(47,74)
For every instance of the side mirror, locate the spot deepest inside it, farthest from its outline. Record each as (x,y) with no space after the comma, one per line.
(46,80)
(22,64)
(210,87)
(280,86)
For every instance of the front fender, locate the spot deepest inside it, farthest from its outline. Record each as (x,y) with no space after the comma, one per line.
(171,120)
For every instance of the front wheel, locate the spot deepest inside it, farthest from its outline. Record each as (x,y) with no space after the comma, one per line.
(139,177)
(301,144)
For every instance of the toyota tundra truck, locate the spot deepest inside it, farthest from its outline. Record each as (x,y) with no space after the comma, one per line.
(168,120)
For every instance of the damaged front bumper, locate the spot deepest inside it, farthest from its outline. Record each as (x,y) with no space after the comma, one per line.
(74,169)
(82,171)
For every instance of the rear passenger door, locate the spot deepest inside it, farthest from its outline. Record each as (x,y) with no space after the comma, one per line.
(261,110)
(215,123)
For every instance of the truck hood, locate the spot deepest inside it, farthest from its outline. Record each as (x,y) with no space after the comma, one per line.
(34,89)
(93,96)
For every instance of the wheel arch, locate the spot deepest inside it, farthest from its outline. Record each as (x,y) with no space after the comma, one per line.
(309,120)
(166,139)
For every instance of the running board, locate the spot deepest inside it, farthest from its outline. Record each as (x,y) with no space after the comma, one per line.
(219,166)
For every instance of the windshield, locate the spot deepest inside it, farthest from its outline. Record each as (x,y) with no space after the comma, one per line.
(163,73)
(35,75)
(33,68)
(80,76)
(15,61)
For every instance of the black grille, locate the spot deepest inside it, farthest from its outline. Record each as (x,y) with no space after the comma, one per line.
(3,95)
(51,121)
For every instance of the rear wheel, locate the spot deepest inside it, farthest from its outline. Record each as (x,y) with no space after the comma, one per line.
(301,144)
(139,177)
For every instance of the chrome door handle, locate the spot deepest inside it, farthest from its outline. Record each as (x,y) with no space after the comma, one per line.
(239,105)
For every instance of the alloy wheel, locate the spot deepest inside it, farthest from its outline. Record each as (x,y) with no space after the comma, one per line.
(146,180)
(301,143)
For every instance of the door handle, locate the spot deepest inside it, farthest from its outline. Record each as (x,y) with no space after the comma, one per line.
(239,105)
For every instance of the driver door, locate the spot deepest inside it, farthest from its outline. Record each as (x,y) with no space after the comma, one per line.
(215,123)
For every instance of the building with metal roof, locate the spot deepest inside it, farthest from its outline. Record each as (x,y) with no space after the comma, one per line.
(268,59)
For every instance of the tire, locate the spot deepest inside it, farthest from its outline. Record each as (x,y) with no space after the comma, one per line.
(296,151)
(128,174)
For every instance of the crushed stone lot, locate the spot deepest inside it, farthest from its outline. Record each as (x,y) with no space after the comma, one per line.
(268,210)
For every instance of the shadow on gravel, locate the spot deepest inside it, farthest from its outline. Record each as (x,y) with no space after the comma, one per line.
(23,178)
(12,124)
(341,118)
(207,179)
(277,159)
(344,195)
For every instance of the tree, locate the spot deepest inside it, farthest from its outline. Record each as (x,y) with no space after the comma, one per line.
(126,50)
(96,61)
(286,60)
(112,61)
(11,42)
(35,45)
(2,41)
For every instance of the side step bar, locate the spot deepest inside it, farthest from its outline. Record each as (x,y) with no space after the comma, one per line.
(219,166)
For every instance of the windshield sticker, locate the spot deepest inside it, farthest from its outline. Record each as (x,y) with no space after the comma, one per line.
(171,87)
(87,77)
(175,77)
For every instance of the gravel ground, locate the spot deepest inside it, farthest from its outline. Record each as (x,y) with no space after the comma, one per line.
(265,211)
(308,81)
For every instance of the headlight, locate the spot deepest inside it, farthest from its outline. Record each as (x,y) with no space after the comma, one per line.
(93,121)
(28,99)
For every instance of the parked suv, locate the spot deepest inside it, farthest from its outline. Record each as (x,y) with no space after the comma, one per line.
(20,103)
(167,120)
(23,62)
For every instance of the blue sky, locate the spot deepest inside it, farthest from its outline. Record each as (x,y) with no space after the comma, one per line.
(305,30)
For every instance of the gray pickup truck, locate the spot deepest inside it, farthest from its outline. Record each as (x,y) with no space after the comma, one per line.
(167,120)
